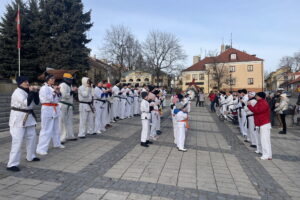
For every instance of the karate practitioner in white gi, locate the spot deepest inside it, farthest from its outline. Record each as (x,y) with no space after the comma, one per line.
(243,119)
(49,96)
(86,108)
(123,102)
(136,101)
(116,101)
(180,116)
(66,107)
(145,117)
(22,123)
(99,108)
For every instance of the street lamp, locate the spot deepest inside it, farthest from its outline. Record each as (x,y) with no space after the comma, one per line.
(230,81)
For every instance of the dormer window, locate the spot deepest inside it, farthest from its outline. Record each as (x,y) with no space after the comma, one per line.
(233,56)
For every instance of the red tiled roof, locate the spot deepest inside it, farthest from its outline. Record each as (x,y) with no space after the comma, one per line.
(199,66)
(223,58)
(295,81)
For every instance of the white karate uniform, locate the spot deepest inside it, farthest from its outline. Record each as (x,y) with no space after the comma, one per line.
(174,124)
(228,103)
(265,138)
(123,103)
(145,116)
(116,101)
(99,109)
(18,131)
(49,120)
(66,118)
(86,111)
(222,104)
(136,103)
(129,105)
(105,115)
(180,128)
(243,124)
(154,119)
(251,130)
(158,103)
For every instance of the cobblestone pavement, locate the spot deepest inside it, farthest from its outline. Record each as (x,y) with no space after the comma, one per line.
(112,166)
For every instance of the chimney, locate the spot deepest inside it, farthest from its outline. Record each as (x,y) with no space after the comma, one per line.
(222,48)
(196,59)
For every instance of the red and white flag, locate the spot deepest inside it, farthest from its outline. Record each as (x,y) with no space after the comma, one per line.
(18,19)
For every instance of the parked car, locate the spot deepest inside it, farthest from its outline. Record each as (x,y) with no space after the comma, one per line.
(288,94)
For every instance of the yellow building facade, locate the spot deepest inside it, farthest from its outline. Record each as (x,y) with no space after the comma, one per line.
(239,70)
(141,77)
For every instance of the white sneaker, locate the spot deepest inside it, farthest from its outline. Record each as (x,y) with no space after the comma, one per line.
(98,132)
(184,150)
(42,153)
(61,146)
(153,138)
(257,152)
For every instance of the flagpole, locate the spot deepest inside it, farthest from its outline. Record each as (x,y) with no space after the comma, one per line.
(19,55)
(19,39)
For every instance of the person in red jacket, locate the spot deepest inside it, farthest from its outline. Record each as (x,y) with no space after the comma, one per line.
(212,97)
(261,112)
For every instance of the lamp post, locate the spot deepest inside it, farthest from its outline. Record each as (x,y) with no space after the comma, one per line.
(230,81)
(208,82)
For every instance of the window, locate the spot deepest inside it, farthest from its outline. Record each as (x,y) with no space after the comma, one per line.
(232,81)
(233,56)
(250,68)
(250,81)
(130,80)
(138,80)
(194,76)
(146,79)
(187,77)
(232,69)
(201,76)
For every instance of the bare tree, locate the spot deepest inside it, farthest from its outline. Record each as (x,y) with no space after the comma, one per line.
(218,71)
(286,61)
(121,47)
(163,53)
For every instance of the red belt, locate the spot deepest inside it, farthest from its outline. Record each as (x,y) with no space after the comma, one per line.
(54,105)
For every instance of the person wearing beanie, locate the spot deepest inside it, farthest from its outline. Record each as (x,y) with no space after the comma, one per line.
(86,108)
(22,123)
(116,101)
(261,112)
(145,117)
(280,109)
(66,107)
(50,113)
(251,131)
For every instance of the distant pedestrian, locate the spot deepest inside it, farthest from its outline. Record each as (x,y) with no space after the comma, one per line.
(201,98)
(280,109)
(212,98)
(261,111)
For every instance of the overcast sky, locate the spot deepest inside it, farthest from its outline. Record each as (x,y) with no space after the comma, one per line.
(268,28)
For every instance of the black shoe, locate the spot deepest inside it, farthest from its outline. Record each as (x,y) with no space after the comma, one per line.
(144,144)
(282,132)
(253,146)
(13,169)
(118,118)
(158,132)
(36,159)
(246,141)
(83,137)
(94,134)
(62,142)
(73,139)
(149,142)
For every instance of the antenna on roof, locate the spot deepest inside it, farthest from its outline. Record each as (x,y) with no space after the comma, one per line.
(230,40)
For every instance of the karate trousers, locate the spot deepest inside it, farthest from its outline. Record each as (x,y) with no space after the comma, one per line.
(145,134)
(86,123)
(265,138)
(66,123)
(180,134)
(17,135)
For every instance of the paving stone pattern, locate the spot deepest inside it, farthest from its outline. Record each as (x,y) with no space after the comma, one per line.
(217,165)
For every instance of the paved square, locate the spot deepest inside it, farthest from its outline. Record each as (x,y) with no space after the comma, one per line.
(217,165)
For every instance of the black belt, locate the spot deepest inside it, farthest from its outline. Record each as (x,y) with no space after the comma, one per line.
(90,104)
(248,119)
(28,112)
(103,101)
